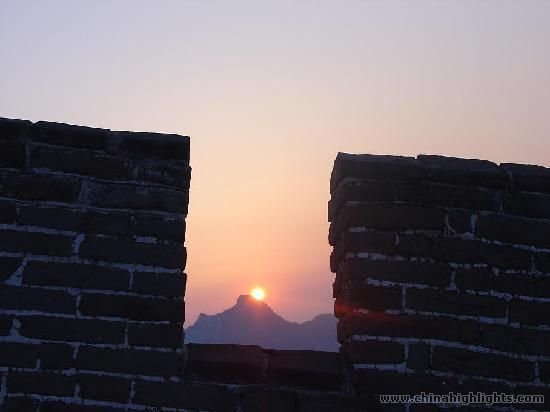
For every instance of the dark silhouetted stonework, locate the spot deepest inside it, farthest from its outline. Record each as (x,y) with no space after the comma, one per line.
(92,225)
(442,275)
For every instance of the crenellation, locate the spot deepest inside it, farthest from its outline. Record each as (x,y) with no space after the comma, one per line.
(92,286)
(476,293)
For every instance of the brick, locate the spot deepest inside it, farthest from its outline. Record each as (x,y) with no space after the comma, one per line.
(523,284)
(357,295)
(35,243)
(56,356)
(482,364)
(39,187)
(5,325)
(81,162)
(420,193)
(160,284)
(159,227)
(464,172)
(372,351)
(474,251)
(72,330)
(475,278)
(131,307)
(108,223)
(8,212)
(469,332)
(534,205)
(419,357)
(175,174)
(386,216)
(514,230)
(129,361)
(62,134)
(529,178)
(542,262)
(268,399)
(75,275)
(433,274)
(224,363)
(320,370)
(139,197)
(18,355)
(104,388)
(360,167)
(200,396)
(460,221)
(8,265)
(13,129)
(544,371)
(372,381)
(407,326)
(172,256)
(529,313)
(12,155)
(44,300)
(357,242)
(430,300)
(20,404)
(415,245)
(41,383)
(516,340)
(156,145)
(156,335)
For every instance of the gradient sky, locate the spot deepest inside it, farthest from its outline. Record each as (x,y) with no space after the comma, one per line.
(269,92)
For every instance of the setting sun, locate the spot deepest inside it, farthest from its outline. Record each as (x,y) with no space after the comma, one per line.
(258,293)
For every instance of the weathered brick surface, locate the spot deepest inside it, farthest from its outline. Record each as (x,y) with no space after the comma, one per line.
(371,351)
(129,361)
(39,187)
(131,307)
(159,284)
(466,242)
(90,221)
(232,363)
(198,396)
(40,383)
(482,364)
(81,162)
(91,253)
(76,275)
(305,369)
(104,388)
(35,243)
(92,286)
(36,299)
(154,334)
(71,329)
(109,249)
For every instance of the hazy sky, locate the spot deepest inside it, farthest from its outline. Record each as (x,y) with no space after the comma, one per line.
(269,92)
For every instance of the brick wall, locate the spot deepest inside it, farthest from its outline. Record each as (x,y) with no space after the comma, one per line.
(442,274)
(92,225)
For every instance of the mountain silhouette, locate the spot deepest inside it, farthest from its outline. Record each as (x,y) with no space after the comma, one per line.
(252,322)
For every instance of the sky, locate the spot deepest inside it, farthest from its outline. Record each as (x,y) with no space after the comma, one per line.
(269,92)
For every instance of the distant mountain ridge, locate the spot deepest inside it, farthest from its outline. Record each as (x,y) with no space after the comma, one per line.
(251,322)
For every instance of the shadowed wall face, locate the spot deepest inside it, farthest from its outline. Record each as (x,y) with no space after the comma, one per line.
(442,273)
(92,225)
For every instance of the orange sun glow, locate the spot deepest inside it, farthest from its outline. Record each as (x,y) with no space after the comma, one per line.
(258,293)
